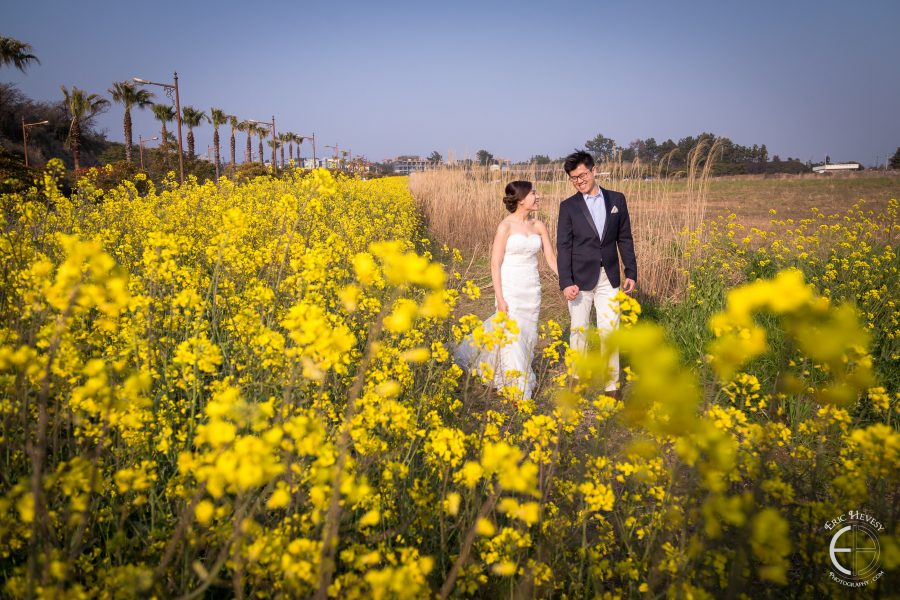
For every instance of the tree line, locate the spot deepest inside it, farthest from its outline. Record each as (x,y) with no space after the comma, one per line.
(730,157)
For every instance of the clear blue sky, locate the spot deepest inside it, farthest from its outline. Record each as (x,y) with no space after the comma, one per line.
(805,77)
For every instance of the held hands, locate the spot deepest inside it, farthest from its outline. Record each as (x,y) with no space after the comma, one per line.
(571,292)
(628,286)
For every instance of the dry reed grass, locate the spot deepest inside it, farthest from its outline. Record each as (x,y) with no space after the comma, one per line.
(462,207)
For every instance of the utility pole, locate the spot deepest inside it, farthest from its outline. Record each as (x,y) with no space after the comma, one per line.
(171,88)
(141,142)
(271,125)
(335,148)
(312,138)
(25,127)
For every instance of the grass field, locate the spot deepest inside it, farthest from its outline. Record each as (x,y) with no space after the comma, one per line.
(750,198)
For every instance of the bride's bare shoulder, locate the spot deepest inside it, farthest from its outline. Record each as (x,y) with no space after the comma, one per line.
(503,229)
(504,226)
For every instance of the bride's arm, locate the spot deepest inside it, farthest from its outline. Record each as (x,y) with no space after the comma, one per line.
(497,251)
(549,253)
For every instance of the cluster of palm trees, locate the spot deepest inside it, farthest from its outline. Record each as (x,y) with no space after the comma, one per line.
(261,130)
(82,107)
(129,95)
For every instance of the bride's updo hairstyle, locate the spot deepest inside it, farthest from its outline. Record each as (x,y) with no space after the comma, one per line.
(515,192)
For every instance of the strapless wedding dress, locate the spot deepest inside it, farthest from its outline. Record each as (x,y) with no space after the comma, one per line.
(521,285)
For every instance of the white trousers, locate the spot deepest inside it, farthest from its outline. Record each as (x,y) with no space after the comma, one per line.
(601,298)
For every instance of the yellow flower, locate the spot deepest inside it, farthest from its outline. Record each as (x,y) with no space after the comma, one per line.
(372,517)
(25,506)
(451,504)
(771,544)
(484,527)
(597,496)
(470,473)
(365,268)
(402,317)
(471,290)
(279,499)
(204,512)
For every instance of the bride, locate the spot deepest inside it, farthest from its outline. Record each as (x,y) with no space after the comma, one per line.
(517,291)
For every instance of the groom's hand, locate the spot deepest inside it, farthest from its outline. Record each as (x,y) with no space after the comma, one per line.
(571,292)
(628,286)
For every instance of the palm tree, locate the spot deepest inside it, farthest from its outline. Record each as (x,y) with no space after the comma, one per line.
(128,94)
(164,113)
(299,139)
(283,138)
(16,53)
(235,126)
(250,128)
(293,141)
(81,108)
(273,144)
(217,117)
(289,138)
(261,131)
(191,117)
(294,138)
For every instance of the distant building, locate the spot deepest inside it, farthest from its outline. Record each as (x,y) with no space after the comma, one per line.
(404,165)
(307,163)
(838,168)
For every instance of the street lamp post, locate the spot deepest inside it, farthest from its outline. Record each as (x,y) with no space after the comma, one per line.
(25,127)
(336,147)
(274,143)
(169,88)
(141,142)
(313,138)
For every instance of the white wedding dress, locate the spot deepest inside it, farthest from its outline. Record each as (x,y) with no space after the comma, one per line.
(521,286)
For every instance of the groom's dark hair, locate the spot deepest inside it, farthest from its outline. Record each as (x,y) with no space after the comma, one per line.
(579,157)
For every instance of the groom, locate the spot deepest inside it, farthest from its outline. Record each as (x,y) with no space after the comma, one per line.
(594,231)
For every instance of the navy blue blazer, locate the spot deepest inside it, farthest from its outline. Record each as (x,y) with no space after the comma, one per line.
(582,250)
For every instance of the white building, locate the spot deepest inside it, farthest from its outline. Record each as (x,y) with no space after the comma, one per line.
(838,168)
(404,165)
(307,163)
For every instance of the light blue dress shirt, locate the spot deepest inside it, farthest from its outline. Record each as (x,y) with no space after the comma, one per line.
(597,209)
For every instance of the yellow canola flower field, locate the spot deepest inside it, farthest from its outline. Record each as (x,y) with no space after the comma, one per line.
(247,390)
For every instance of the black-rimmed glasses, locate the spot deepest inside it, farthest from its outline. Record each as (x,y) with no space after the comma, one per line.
(582,178)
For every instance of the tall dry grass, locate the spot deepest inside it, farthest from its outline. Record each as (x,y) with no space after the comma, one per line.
(462,207)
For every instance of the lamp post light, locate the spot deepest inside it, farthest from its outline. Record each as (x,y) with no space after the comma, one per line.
(336,147)
(171,87)
(141,142)
(25,127)
(270,124)
(313,138)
